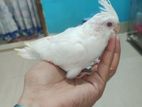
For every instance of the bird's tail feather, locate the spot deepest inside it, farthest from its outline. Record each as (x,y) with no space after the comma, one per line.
(28,52)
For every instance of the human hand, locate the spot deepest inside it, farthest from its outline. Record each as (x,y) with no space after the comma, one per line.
(46,85)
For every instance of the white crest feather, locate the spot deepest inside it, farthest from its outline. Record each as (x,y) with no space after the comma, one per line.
(107,7)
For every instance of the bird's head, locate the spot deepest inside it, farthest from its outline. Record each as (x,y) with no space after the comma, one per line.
(106,20)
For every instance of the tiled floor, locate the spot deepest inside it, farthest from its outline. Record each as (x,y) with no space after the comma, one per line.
(124,89)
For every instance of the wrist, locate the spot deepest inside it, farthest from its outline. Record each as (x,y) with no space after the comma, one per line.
(33,99)
(27,100)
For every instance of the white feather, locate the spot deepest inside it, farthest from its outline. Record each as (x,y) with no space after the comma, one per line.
(107,7)
(28,52)
(75,48)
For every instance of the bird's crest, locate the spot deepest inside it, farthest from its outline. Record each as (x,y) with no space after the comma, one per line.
(106,7)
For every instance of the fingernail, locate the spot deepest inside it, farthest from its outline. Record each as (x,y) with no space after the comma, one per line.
(113,36)
(117,37)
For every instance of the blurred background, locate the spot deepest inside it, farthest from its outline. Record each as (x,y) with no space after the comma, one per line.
(68,13)
(24,20)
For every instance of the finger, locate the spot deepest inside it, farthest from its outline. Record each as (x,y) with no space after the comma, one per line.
(106,59)
(94,68)
(102,73)
(116,58)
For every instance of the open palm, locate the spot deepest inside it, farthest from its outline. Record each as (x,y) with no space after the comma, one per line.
(47,86)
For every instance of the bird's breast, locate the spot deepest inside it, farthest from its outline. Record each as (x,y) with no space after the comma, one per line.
(94,46)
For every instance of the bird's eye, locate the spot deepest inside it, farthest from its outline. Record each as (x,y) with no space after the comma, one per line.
(109,24)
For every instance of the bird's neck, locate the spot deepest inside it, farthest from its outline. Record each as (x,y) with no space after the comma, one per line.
(87,29)
(96,31)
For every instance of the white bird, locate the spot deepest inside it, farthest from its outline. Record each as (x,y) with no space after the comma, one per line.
(78,47)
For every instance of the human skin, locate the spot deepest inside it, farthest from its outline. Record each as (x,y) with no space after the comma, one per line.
(45,84)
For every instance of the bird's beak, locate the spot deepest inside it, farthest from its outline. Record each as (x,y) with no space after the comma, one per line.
(117,28)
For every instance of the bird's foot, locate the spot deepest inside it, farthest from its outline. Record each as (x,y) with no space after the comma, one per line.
(85,72)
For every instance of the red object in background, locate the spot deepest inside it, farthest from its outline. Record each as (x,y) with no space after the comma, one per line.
(138,28)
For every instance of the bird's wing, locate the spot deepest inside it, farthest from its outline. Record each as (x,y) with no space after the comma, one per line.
(65,51)
(57,49)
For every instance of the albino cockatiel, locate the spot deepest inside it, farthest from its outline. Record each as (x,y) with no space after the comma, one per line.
(78,47)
